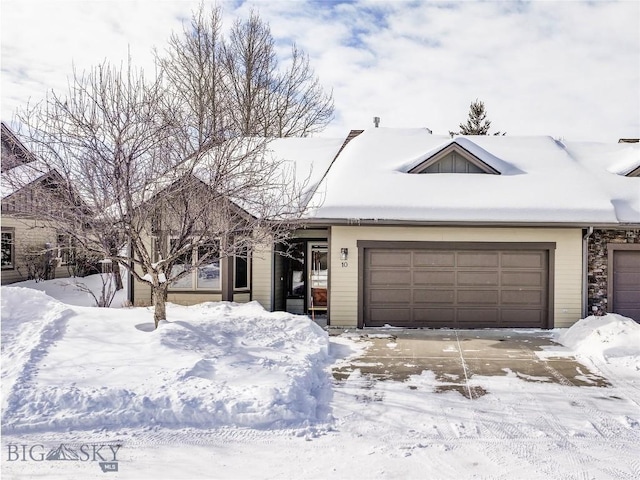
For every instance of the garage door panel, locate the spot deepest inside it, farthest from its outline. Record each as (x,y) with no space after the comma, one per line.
(627,260)
(434,296)
(485,278)
(522,297)
(625,278)
(478,297)
(456,288)
(389,295)
(390,277)
(442,316)
(523,279)
(478,259)
(390,315)
(473,316)
(524,259)
(421,277)
(627,297)
(633,313)
(521,318)
(628,279)
(390,259)
(434,259)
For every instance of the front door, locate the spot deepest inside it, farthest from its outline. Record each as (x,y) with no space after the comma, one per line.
(318,277)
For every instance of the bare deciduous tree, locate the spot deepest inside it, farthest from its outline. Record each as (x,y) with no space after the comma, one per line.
(131,175)
(250,64)
(237,85)
(192,67)
(299,105)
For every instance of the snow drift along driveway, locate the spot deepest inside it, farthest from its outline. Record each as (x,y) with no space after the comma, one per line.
(213,364)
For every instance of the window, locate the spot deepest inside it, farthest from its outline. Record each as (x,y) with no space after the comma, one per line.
(66,249)
(241,272)
(8,248)
(209,271)
(295,268)
(204,268)
(204,277)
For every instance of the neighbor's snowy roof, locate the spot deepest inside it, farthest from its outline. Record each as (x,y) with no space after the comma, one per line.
(299,163)
(541,181)
(309,158)
(303,161)
(21,176)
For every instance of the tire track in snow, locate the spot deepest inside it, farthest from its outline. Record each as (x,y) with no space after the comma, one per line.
(504,436)
(47,335)
(605,426)
(524,447)
(582,461)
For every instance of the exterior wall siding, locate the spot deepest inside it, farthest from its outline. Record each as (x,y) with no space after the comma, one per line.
(262,276)
(28,232)
(598,270)
(568,262)
(142,290)
(193,298)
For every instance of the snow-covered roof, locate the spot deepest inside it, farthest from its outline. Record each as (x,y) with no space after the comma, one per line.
(308,158)
(541,180)
(21,176)
(297,164)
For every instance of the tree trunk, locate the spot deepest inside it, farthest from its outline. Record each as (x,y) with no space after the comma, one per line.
(159,304)
(118,277)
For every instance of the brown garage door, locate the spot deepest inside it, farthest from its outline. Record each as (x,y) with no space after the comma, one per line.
(626,283)
(458,288)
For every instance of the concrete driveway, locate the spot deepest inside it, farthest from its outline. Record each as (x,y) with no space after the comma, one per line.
(456,356)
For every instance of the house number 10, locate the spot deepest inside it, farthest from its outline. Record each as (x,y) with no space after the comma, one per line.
(345,264)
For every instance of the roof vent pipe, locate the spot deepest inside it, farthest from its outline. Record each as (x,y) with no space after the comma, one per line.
(376,121)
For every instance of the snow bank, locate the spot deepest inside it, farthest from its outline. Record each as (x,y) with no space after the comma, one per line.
(611,338)
(213,364)
(72,290)
(26,335)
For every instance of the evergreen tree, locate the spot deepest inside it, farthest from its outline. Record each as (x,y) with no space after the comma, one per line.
(477,123)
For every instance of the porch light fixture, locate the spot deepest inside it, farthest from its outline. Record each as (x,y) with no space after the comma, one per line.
(344,254)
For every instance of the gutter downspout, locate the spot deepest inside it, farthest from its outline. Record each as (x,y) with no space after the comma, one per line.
(585,272)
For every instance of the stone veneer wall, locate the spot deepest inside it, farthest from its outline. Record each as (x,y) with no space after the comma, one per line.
(597,269)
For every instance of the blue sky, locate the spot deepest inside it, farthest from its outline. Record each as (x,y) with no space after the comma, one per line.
(562,68)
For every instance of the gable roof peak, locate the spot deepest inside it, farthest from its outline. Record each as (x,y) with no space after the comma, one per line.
(14,153)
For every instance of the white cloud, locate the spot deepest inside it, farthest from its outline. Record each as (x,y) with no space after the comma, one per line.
(567,69)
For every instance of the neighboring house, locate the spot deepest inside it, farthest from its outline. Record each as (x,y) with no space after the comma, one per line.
(409,229)
(27,242)
(613,270)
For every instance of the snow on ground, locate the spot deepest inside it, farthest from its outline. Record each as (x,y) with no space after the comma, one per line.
(72,291)
(211,365)
(231,391)
(612,340)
